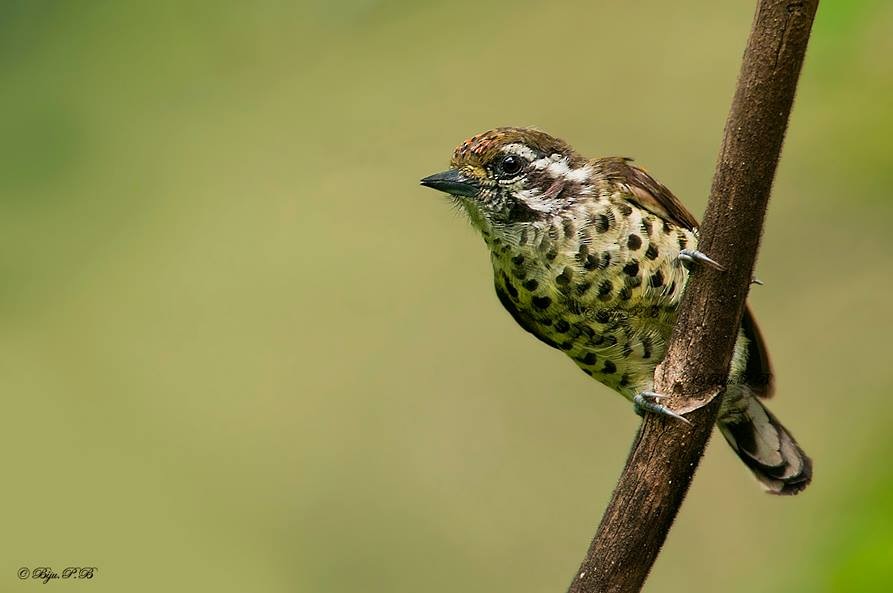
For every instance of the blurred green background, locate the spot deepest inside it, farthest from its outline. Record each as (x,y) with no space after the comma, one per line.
(243,350)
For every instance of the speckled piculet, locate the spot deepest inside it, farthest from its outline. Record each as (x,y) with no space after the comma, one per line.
(591,257)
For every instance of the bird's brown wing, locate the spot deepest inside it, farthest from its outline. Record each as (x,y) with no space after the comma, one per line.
(653,196)
(647,192)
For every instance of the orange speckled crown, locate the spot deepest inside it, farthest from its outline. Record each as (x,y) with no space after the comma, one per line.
(481,148)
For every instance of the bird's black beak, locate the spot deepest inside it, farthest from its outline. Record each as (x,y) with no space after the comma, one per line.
(453,182)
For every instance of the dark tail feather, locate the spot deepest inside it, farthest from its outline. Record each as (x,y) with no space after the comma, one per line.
(766,447)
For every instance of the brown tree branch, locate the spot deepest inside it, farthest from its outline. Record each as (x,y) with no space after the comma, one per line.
(666,452)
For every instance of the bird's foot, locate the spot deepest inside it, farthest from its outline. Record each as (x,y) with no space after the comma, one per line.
(648,401)
(690,257)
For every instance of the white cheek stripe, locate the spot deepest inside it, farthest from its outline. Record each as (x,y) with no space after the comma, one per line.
(533,201)
(580,175)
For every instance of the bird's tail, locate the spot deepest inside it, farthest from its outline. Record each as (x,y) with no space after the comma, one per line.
(765,445)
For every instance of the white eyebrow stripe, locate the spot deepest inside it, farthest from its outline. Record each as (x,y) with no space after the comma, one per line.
(520,150)
(560,169)
(541,164)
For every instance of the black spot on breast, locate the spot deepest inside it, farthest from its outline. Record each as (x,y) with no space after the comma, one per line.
(569,230)
(604,261)
(624,380)
(509,287)
(652,251)
(632,268)
(568,345)
(551,255)
(625,209)
(625,293)
(583,287)
(657,279)
(541,302)
(604,290)
(564,278)
(531,284)
(627,350)
(646,347)
(634,242)
(582,253)
(561,326)
(524,238)
(601,222)
(609,368)
(591,261)
(634,281)
(518,260)
(589,359)
(602,316)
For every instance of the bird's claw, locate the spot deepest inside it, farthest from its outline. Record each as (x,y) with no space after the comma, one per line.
(648,401)
(690,257)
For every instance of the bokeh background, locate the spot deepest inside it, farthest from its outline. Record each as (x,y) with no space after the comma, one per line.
(243,350)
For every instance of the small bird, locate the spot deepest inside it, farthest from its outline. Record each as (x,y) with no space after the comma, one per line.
(591,257)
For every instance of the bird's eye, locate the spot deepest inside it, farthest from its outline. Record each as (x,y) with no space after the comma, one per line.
(510,165)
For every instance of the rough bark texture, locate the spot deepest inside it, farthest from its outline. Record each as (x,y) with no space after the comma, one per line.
(666,452)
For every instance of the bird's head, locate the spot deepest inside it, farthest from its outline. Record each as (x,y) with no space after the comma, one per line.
(512,176)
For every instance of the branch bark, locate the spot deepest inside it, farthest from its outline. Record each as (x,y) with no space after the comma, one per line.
(666,452)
